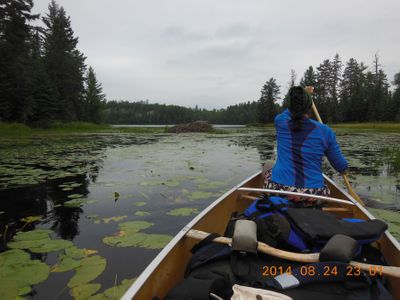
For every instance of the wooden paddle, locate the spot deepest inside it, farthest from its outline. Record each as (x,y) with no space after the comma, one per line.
(300,257)
(310,90)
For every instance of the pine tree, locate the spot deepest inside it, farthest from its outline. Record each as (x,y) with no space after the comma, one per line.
(293,77)
(309,78)
(333,88)
(94,98)
(321,91)
(394,104)
(266,105)
(43,92)
(64,63)
(16,103)
(377,92)
(353,105)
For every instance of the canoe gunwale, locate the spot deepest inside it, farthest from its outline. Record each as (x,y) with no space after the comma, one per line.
(130,293)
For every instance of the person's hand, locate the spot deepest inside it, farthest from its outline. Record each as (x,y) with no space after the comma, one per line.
(309,89)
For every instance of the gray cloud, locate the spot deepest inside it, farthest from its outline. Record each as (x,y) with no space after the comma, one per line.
(216,53)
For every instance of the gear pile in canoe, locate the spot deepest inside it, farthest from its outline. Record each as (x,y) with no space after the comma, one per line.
(253,243)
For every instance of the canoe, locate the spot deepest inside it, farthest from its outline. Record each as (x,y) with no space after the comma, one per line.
(168,268)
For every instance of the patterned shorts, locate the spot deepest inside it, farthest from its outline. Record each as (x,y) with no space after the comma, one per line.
(300,201)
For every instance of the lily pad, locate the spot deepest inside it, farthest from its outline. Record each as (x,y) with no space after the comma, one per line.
(31,219)
(173,182)
(74,203)
(67,263)
(114,219)
(76,253)
(197,195)
(142,213)
(38,241)
(129,236)
(75,196)
(118,291)
(184,211)
(140,203)
(18,272)
(90,268)
(115,292)
(84,291)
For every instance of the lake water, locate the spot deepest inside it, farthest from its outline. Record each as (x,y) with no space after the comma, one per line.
(117,199)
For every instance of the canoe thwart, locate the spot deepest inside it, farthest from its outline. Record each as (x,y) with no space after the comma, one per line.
(278,192)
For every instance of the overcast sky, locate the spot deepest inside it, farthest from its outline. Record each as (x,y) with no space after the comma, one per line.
(215,53)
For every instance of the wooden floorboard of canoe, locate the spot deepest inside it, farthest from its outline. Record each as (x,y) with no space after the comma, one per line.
(167,269)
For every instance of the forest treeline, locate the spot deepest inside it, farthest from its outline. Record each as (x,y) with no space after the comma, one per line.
(44,79)
(350,92)
(43,75)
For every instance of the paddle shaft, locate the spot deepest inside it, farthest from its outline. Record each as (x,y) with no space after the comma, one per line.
(346,180)
(299,257)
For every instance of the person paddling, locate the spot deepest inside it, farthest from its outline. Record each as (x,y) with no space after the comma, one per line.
(302,143)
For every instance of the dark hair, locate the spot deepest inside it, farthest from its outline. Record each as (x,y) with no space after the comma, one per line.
(299,104)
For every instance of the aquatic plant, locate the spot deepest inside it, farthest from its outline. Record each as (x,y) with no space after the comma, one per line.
(18,272)
(184,211)
(130,236)
(38,241)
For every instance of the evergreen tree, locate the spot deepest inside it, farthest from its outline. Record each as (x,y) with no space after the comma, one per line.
(43,92)
(353,105)
(266,105)
(321,91)
(292,83)
(333,88)
(293,77)
(64,63)
(309,78)
(377,92)
(394,106)
(16,103)
(94,98)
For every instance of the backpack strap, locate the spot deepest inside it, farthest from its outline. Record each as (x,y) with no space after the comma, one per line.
(204,242)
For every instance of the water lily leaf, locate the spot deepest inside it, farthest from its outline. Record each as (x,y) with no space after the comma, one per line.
(50,246)
(67,189)
(91,267)
(67,263)
(75,196)
(74,203)
(18,272)
(174,182)
(84,291)
(31,219)
(184,211)
(115,219)
(118,291)
(197,195)
(129,236)
(141,213)
(38,241)
(76,253)
(140,203)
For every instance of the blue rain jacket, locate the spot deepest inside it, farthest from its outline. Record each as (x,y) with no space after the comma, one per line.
(300,153)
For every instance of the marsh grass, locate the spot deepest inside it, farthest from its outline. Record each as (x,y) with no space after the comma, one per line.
(378,126)
(57,128)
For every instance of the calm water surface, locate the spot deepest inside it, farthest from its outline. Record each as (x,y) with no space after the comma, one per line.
(93,190)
